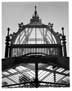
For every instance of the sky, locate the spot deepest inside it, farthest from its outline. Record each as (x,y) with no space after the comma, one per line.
(16,12)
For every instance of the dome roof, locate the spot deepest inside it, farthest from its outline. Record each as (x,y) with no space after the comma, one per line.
(36,32)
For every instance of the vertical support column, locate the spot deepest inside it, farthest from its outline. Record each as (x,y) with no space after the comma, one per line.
(7,44)
(60,50)
(43,34)
(54,75)
(35,36)
(10,51)
(64,43)
(36,75)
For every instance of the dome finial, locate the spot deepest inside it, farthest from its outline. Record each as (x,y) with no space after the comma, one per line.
(35,7)
(35,10)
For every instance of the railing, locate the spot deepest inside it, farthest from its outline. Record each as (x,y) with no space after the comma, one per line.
(38,49)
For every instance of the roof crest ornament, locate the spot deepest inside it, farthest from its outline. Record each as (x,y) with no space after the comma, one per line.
(35,11)
(35,18)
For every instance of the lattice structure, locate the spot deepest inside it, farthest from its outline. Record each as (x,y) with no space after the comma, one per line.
(35,56)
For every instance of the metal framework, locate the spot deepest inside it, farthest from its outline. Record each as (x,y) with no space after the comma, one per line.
(35,56)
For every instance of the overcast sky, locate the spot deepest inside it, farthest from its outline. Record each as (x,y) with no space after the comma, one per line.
(14,13)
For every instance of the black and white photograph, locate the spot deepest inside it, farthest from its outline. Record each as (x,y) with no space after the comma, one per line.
(35,45)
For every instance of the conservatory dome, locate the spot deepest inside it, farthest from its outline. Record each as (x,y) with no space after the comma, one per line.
(35,33)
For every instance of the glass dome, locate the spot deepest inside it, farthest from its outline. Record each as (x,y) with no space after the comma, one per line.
(35,33)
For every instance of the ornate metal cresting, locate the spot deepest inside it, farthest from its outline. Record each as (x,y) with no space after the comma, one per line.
(36,43)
